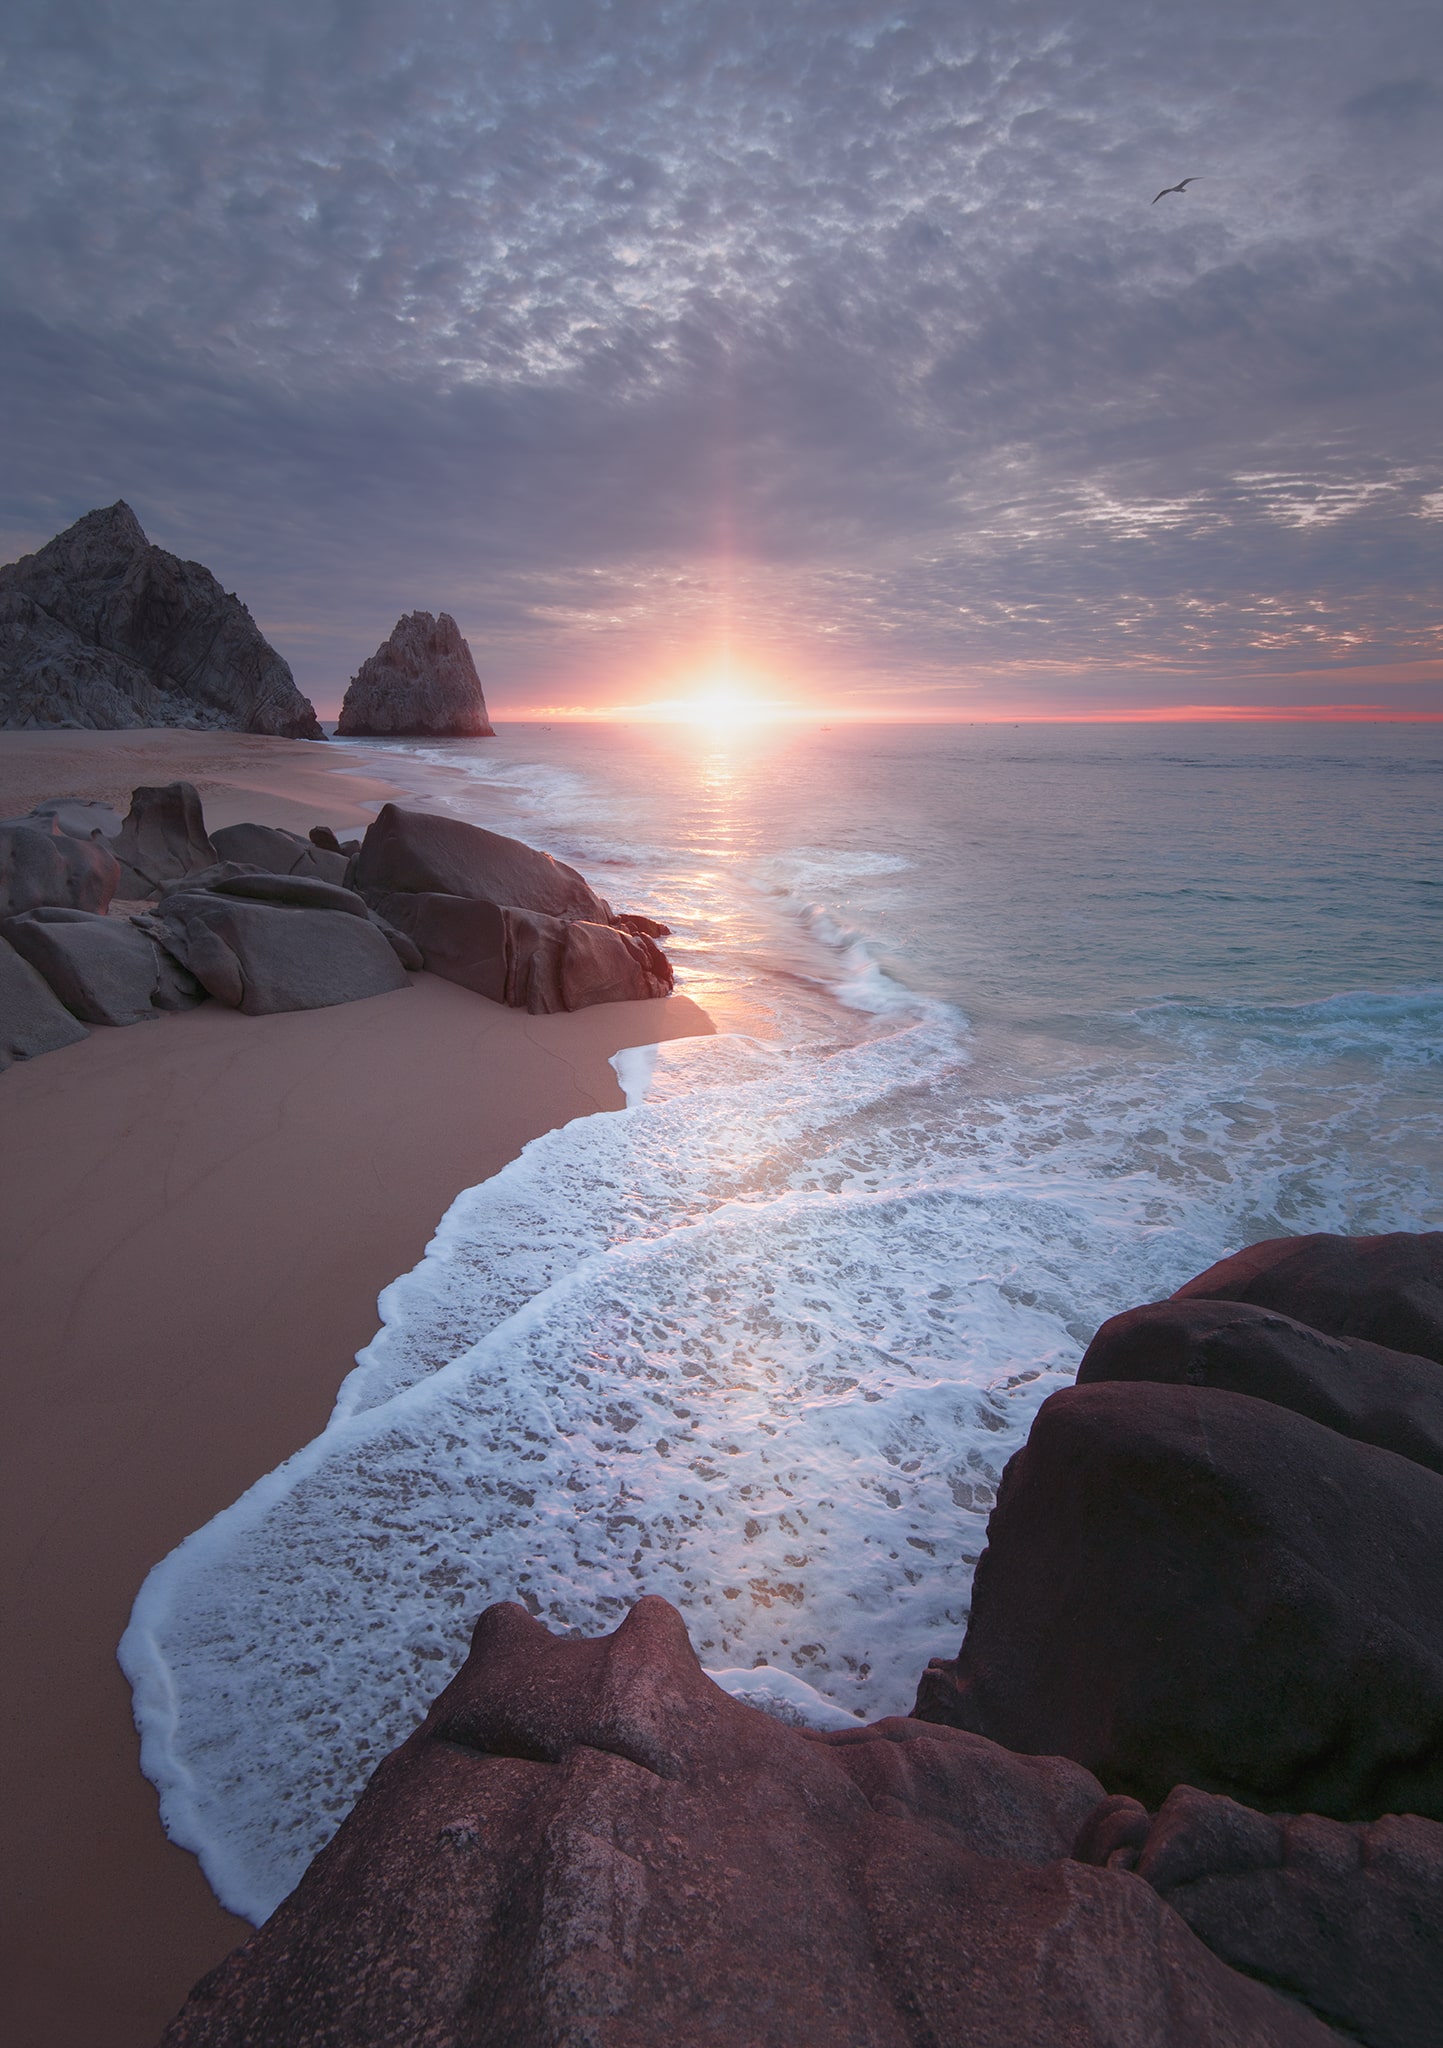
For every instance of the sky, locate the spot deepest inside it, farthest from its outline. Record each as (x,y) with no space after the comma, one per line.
(827,353)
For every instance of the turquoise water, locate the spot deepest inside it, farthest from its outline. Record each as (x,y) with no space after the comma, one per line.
(1019,1027)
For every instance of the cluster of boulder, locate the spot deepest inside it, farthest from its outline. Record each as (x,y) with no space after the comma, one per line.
(1182,1787)
(106,920)
(101,629)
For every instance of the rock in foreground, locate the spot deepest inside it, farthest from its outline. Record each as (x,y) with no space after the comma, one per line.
(420,684)
(589,1842)
(1183,1585)
(100,629)
(1389,1398)
(1349,1919)
(1387,1290)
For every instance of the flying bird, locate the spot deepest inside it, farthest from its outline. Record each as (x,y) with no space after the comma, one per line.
(1175,188)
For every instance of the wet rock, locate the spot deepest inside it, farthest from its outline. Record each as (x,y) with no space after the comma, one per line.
(411,851)
(1366,1391)
(1347,1918)
(1387,1290)
(105,971)
(33,1020)
(279,852)
(260,957)
(1187,1586)
(590,1842)
(100,629)
(162,838)
(40,863)
(420,684)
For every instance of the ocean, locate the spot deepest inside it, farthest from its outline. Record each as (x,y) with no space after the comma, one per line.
(1017,1027)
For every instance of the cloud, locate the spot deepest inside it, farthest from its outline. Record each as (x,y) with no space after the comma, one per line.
(852,331)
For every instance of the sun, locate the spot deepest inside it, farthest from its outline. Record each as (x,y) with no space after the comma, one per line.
(720,695)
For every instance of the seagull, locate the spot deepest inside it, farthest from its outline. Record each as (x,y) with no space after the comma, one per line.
(1175,188)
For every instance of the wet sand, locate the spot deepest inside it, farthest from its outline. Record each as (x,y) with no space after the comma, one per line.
(196,1218)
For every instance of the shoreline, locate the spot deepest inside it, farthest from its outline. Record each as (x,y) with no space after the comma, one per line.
(198,1216)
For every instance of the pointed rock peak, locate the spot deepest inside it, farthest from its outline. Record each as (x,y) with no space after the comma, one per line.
(115,525)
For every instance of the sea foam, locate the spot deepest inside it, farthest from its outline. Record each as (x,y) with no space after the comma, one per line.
(762,1343)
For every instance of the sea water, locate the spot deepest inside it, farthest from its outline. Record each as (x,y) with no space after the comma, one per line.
(1017,1027)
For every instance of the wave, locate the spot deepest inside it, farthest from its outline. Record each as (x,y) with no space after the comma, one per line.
(760,1342)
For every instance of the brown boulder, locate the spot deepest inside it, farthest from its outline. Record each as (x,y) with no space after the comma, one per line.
(1185,1586)
(279,852)
(33,1019)
(1364,1390)
(589,1842)
(104,969)
(41,863)
(162,839)
(1387,1290)
(261,957)
(415,851)
(1348,1919)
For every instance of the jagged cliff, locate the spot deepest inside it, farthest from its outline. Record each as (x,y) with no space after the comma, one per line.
(422,683)
(100,629)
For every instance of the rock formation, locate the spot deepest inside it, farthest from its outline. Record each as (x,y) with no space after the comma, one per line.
(100,629)
(33,1020)
(501,918)
(1386,1290)
(263,943)
(1362,1390)
(40,863)
(104,969)
(420,684)
(589,1842)
(162,837)
(1183,1585)
(1348,1919)
(263,920)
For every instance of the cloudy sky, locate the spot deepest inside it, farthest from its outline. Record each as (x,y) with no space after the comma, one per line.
(840,339)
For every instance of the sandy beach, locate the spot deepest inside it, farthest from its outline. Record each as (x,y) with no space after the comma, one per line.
(197,1216)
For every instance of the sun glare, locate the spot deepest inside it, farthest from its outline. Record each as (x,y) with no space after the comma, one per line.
(719,697)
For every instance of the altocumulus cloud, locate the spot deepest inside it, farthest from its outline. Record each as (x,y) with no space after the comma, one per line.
(849,330)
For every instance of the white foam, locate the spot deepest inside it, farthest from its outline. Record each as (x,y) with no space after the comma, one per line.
(760,1342)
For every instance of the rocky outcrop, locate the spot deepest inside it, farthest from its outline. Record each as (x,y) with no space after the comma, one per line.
(101,629)
(1386,1290)
(1208,1628)
(1362,1390)
(249,915)
(420,684)
(524,958)
(590,1842)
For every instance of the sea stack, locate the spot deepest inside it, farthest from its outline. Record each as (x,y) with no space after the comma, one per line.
(421,684)
(99,629)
